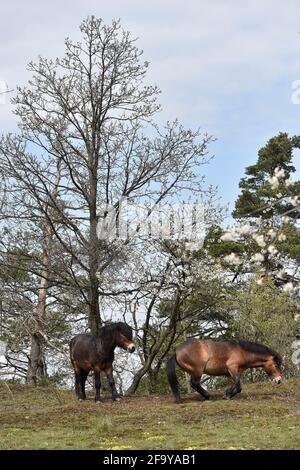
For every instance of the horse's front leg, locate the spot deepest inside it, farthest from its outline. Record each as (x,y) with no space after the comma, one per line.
(77,383)
(97,386)
(111,381)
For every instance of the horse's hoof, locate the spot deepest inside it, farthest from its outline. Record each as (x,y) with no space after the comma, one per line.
(117,397)
(178,401)
(211,398)
(98,402)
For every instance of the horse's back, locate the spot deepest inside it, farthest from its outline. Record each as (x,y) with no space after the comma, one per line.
(81,339)
(81,349)
(203,356)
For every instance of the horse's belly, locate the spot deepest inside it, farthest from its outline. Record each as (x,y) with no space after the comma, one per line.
(101,366)
(83,364)
(215,368)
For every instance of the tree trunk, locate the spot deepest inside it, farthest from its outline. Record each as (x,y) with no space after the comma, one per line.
(93,295)
(94,310)
(136,381)
(36,362)
(143,370)
(153,378)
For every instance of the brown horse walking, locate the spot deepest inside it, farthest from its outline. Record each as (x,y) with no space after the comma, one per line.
(97,352)
(227,358)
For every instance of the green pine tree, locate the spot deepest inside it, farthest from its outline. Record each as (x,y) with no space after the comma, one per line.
(258,198)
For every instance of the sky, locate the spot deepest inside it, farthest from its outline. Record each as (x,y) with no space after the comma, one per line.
(227,67)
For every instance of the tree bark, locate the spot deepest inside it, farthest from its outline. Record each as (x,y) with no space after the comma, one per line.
(136,381)
(153,378)
(36,363)
(93,297)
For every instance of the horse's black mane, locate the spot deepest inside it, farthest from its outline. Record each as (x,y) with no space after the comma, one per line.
(112,328)
(260,349)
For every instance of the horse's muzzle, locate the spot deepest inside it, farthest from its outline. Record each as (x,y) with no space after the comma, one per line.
(131,348)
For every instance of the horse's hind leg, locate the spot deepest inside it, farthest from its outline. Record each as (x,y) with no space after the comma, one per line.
(236,386)
(81,389)
(195,384)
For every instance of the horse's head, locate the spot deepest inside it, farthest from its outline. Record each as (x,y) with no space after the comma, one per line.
(123,337)
(273,367)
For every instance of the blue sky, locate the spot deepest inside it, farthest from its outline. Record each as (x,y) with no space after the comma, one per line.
(226,66)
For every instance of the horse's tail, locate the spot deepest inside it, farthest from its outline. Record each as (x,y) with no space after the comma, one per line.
(173,378)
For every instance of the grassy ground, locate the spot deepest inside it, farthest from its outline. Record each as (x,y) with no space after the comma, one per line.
(263,416)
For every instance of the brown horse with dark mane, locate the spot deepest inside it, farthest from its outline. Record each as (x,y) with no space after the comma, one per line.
(227,358)
(96,352)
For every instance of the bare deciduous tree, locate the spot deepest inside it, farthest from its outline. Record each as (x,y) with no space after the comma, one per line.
(91,114)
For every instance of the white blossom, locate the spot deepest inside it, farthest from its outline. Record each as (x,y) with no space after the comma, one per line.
(288,287)
(294,200)
(259,240)
(194,245)
(258,257)
(245,229)
(232,259)
(281,237)
(285,219)
(272,250)
(274,182)
(289,182)
(260,281)
(271,233)
(227,237)
(279,172)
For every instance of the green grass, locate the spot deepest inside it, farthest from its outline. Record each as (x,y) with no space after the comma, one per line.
(263,416)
